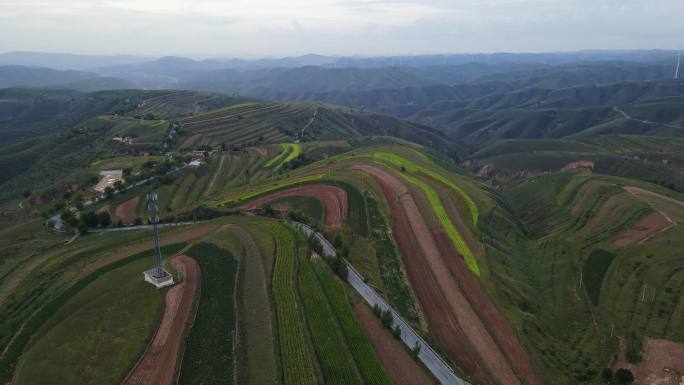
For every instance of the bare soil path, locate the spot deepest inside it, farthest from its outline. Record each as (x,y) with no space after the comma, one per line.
(158,364)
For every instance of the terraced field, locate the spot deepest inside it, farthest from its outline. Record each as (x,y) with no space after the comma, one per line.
(297,358)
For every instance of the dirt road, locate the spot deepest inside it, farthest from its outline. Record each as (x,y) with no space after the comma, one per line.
(158,364)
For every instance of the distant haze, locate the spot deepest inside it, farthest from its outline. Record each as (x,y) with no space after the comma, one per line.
(266,28)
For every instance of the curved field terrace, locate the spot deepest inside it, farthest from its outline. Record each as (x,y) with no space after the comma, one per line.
(334,201)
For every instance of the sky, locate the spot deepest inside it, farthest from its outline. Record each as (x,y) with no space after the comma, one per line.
(269,28)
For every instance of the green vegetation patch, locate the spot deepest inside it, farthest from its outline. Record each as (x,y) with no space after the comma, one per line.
(55,323)
(309,206)
(333,354)
(362,350)
(208,357)
(595,268)
(412,167)
(295,352)
(98,334)
(445,221)
(259,191)
(389,262)
(279,157)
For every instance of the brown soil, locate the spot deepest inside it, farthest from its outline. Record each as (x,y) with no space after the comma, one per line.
(643,230)
(582,165)
(193,232)
(494,321)
(449,316)
(126,211)
(663,363)
(334,201)
(402,369)
(159,362)
(189,141)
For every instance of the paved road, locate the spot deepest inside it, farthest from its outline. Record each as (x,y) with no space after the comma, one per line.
(427,355)
(139,227)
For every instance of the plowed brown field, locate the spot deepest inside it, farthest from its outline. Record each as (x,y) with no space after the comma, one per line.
(643,230)
(459,312)
(126,211)
(334,201)
(449,315)
(159,362)
(663,363)
(399,365)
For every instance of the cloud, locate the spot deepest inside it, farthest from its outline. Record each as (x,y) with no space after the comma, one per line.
(272,27)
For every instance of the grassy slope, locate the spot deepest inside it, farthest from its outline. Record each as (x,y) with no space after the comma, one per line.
(115,316)
(570,219)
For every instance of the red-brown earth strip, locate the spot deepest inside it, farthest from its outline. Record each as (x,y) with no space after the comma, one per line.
(399,365)
(418,251)
(334,201)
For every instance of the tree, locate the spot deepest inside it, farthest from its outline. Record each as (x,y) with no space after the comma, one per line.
(607,375)
(82,227)
(104,219)
(137,221)
(89,218)
(387,319)
(119,185)
(415,350)
(119,223)
(624,376)
(396,332)
(267,210)
(26,193)
(108,192)
(634,356)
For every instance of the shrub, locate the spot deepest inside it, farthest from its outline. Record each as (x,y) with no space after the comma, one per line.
(607,375)
(624,376)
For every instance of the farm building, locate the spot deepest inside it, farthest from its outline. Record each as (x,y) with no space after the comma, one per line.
(108,178)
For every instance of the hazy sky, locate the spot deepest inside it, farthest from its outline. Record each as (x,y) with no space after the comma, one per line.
(248,28)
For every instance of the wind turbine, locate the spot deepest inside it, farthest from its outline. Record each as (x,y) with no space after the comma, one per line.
(679,56)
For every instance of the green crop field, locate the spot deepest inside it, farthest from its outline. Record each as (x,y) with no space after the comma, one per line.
(361,348)
(295,352)
(331,349)
(208,357)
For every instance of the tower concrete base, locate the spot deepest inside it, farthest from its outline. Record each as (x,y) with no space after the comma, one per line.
(158,282)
